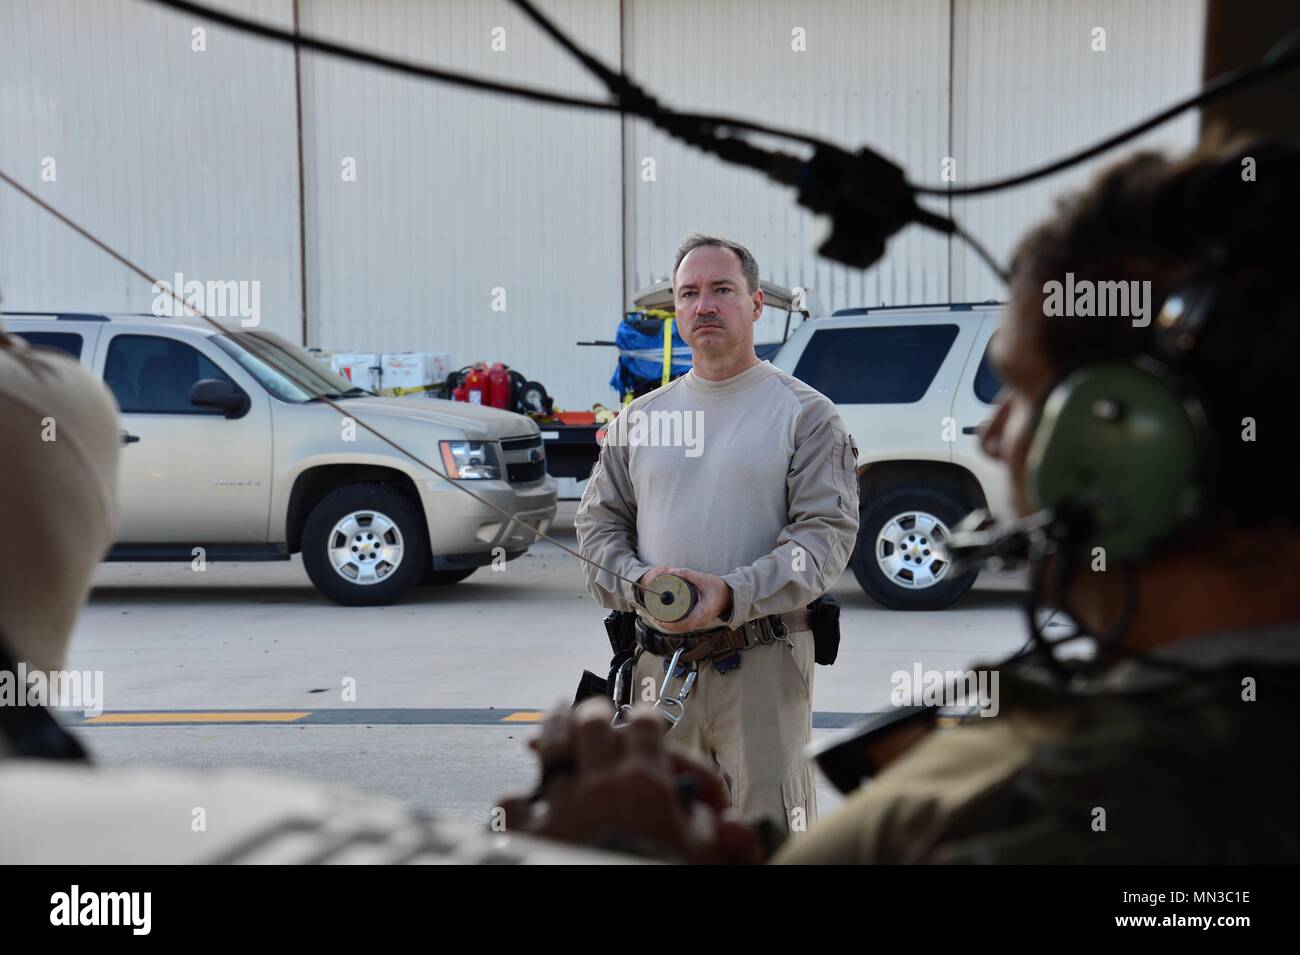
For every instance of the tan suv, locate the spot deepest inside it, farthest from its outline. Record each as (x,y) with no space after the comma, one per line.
(225,458)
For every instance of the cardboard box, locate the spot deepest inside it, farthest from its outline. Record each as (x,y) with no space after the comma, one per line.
(407,372)
(324,357)
(441,365)
(360,368)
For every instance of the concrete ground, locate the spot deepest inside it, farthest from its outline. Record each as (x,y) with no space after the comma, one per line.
(438,678)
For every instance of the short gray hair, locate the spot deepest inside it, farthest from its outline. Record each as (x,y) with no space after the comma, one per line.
(696,240)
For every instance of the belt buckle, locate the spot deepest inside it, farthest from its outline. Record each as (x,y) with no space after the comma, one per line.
(754,634)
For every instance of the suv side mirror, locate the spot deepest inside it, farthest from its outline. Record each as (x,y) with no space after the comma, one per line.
(215,393)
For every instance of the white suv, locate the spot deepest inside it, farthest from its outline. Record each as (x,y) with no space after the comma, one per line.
(226,458)
(913,385)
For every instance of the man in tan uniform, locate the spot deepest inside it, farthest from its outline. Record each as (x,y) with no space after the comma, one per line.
(742,480)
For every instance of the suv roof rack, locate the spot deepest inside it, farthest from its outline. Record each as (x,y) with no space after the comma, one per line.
(94,316)
(64,316)
(950,306)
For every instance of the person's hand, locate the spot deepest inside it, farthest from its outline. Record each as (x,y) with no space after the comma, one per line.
(624,788)
(715,601)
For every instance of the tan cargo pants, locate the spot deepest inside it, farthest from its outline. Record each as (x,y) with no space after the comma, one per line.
(752,722)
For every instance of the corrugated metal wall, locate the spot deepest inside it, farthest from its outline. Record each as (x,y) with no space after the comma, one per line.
(870,73)
(184,160)
(1028,88)
(189,161)
(460,194)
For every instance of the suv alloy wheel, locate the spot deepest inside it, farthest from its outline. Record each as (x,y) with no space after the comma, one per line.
(900,559)
(363,545)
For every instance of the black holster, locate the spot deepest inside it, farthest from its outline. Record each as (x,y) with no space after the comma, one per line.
(824,621)
(620,625)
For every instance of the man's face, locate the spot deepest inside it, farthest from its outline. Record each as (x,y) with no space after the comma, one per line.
(715,310)
(1016,354)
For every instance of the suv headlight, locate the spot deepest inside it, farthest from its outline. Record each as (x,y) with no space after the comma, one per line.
(470,460)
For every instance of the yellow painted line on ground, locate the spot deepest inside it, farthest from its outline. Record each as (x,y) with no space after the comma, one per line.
(524,716)
(267,717)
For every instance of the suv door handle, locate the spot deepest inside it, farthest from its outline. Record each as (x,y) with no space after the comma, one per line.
(971,429)
(129,438)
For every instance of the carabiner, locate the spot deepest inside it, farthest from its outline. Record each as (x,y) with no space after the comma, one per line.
(618,680)
(673,708)
(668,674)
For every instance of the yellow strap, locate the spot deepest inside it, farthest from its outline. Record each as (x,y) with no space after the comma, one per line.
(668,350)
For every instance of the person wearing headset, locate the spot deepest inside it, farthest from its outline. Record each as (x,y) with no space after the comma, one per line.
(1151,468)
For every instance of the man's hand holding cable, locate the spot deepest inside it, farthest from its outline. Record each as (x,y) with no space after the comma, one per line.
(714,602)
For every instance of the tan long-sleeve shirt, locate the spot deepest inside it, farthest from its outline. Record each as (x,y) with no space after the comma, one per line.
(752,479)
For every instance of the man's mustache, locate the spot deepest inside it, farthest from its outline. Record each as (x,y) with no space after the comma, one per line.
(707,323)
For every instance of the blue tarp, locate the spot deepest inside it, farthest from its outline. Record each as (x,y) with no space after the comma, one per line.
(641,354)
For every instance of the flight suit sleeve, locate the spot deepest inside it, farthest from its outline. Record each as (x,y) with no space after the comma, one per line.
(814,547)
(606,527)
(950,787)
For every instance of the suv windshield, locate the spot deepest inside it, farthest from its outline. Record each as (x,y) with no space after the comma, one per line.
(280,365)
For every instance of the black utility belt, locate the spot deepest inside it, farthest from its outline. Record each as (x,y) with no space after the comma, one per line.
(708,644)
(823,616)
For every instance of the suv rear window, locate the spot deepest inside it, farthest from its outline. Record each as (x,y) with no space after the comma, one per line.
(67,342)
(889,365)
(987,382)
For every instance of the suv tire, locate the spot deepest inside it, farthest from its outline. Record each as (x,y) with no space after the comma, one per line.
(365,532)
(909,509)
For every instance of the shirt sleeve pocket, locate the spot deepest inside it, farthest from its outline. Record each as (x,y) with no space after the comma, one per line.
(844,467)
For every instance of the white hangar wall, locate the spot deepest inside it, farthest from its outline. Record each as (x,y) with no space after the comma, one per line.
(461,201)
(997,85)
(1028,88)
(183,160)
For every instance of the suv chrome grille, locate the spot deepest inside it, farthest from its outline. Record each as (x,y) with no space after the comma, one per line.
(521,444)
(524,458)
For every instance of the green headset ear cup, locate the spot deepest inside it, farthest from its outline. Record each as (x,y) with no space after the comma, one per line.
(1124,442)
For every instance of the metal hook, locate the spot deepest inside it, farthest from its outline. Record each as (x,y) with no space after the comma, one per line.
(672,668)
(618,680)
(673,708)
(663,708)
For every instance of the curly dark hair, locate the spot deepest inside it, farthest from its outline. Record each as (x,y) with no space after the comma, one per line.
(1168,221)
